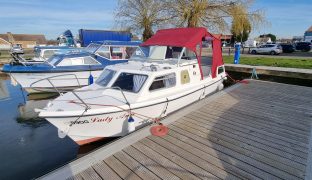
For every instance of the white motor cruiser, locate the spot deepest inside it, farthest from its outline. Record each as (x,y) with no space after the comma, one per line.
(130,95)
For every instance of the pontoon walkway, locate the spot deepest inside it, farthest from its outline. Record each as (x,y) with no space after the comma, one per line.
(260,130)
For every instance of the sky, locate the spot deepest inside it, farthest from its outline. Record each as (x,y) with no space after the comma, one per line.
(286,18)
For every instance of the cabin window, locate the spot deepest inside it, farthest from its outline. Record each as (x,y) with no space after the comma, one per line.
(220,69)
(117,52)
(91,48)
(54,59)
(129,51)
(140,52)
(173,52)
(104,52)
(90,61)
(165,81)
(78,61)
(130,82)
(105,77)
(188,54)
(185,77)
(48,53)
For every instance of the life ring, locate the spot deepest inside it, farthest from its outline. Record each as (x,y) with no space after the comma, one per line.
(159,130)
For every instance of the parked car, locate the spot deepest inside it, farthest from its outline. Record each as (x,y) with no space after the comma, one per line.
(288,48)
(303,46)
(17,50)
(272,49)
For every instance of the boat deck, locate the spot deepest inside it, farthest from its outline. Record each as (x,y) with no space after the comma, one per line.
(260,130)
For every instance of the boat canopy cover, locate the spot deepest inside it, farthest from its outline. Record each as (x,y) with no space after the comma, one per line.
(189,38)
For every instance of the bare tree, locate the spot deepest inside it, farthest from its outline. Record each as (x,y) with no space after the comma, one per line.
(141,15)
(216,15)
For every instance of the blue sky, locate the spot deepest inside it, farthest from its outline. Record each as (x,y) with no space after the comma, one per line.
(51,17)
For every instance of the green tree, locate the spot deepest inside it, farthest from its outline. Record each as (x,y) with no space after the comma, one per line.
(241,26)
(272,36)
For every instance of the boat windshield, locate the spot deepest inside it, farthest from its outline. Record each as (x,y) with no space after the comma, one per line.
(159,53)
(91,48)
(105,77)
(54,59)
(141,53)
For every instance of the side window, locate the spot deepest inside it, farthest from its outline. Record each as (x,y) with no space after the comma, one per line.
(65,62)
(173,52)
(104,52)
(90,61)
(185,77)
(220,70)
(129,52)
(188,55)
(165,81)
(117,52)
(48,53)
(72,61)
(130,82)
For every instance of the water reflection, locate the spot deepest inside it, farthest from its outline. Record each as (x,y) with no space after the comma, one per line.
(30,146)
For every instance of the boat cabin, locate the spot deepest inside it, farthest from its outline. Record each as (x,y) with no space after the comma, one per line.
(177,63)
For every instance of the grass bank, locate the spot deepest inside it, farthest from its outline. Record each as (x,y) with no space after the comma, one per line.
(275,62)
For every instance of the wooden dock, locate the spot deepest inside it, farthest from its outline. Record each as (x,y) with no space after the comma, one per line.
(260,130)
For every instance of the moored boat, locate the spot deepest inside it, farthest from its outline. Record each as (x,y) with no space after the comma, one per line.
(130,95)
(70,70)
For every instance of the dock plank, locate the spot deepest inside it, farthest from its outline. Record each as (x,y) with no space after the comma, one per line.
(235,152)
(244,148)
(123,171)
(132,164)
(90,174)
(254,132)
(105,172)
(290,155)
(150,164)
(168,164)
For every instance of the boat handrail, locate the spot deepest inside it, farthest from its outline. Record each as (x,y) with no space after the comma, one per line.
(49,80)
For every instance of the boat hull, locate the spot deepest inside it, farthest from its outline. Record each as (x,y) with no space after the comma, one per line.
(63,81)
(86,129)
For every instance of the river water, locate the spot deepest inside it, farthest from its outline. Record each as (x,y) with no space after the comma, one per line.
(29,147)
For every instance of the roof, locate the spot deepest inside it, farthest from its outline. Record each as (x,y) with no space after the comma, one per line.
(179,37)
(39,38)
(309,30)
(3,41)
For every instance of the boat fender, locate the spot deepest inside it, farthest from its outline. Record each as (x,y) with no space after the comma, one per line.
(220,87)
(90,79)
(131,124)
(159,130)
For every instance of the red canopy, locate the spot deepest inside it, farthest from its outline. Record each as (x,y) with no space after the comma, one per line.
(179,37)
(189,38)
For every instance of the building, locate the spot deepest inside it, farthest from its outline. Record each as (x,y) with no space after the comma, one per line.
(4,45)
(23,40)
(308,35)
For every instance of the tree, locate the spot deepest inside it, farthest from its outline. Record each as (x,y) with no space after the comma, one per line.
(214,14)
(241,26)
(141,15)
(272,36)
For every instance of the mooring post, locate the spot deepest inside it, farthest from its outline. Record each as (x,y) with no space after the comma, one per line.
(254,74)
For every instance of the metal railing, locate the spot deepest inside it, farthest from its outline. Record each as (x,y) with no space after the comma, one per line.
(50,82)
